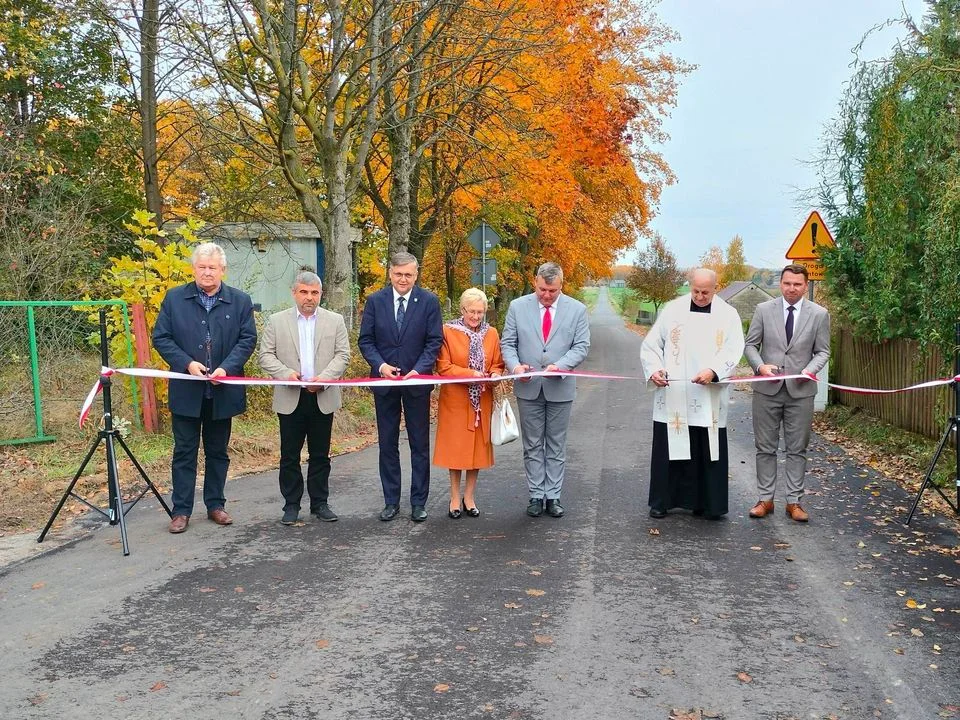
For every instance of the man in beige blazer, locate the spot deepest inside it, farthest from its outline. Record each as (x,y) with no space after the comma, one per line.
(308,343)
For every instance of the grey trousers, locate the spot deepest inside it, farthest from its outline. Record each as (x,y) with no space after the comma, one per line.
(770,412)
(543,431)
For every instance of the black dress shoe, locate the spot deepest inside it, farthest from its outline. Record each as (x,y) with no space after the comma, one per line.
(454,514)
(554,508)
(389,512)
(657,513)
(323,512)
(471,512)
(418,514)
(535,508)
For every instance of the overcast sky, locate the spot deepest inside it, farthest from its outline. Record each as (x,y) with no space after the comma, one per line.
(769,78)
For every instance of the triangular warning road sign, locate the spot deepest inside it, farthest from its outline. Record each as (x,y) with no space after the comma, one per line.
(813,235)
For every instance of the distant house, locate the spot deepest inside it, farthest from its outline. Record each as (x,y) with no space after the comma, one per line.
(744,295)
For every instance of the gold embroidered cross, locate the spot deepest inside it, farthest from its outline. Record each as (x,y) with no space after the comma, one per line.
(676,423)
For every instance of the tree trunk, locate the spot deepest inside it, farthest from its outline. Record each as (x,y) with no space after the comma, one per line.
(149,29)
(338,283)
(400,168)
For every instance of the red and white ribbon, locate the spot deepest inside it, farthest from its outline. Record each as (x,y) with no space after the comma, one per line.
(106,372)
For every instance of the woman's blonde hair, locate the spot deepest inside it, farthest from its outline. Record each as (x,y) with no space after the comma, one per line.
(472,295)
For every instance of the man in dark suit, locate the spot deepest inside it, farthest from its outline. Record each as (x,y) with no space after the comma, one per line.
(400,335)
(207,329)
(788,336)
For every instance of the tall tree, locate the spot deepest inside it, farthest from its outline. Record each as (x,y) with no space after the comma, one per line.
(712,259)
(302,81)
(735,267)
(655,275)
(890,185)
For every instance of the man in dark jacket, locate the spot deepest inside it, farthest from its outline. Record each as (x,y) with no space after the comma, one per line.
(206,329)
(401,332)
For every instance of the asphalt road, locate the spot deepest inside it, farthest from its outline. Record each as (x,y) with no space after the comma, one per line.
(594,615)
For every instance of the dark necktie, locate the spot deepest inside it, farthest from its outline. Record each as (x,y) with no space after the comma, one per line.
(789,326)
(400,314)
(546,324)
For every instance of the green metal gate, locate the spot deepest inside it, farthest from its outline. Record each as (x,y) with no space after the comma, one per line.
(30,308)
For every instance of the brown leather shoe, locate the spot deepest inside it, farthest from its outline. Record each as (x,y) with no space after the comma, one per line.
(178,523)
(220,517)
(796,512)
(761,509)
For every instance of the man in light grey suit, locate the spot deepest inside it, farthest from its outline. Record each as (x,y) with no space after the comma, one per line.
(787,336)
(545,330)
(308,343)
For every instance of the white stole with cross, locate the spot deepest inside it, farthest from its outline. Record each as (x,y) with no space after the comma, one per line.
(682,343)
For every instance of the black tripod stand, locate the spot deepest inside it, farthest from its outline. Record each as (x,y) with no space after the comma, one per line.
(953,423)
(117,509)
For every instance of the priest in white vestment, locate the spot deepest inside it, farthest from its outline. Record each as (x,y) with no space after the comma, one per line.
(696,341)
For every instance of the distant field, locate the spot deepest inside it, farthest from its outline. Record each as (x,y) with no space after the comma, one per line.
(588,296)
(625,302)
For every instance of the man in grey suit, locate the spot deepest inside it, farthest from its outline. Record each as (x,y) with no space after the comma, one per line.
(787,336)
(307,343)
(545,330)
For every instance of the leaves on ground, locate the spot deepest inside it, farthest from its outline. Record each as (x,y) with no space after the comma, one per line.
(159,685)
(441,688)
(323,643)
(543,639)
(744,677)
(533,592)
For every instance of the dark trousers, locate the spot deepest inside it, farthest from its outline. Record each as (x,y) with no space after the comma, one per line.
(187,433)
(306,422)
(416,410)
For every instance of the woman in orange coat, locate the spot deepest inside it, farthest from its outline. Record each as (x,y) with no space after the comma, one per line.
(471,348)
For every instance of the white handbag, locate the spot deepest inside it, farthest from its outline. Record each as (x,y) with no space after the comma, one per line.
(503,424)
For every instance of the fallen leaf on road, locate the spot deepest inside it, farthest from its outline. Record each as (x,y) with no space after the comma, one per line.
(441,688)
(207,589)
(915,632)
(38,699)
(898,651)
(472,628)
(653,531)
(532,592)
(512,605)
(744,677)
(321,644)
(667,672)
(238,589)
(543,639)
(756,547)
(159,685)
(37,585)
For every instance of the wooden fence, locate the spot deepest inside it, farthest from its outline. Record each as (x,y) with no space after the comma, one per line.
(892,364)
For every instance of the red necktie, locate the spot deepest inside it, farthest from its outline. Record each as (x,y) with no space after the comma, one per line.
(546,324)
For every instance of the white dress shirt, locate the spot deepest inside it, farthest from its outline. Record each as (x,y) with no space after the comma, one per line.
(306,329)
(396,302)
(796,311)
